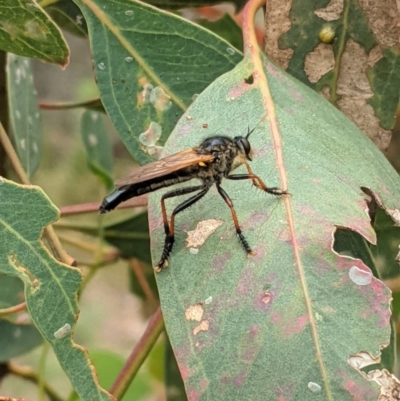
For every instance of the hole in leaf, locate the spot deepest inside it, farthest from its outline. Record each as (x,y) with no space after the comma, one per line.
(249,80)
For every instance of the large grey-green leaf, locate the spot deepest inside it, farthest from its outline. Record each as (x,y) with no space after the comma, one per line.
(24,112)
(98,147)
(284,323)
(25,29)
(50,287)
(150,65)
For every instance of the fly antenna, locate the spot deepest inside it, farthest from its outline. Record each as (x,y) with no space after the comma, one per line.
(250,132)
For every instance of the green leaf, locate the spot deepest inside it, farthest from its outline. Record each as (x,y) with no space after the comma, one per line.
(150,65)
(227,28)
(98,147)
(131,237)
(296,306)
(109,365)
(17,339)
(12,291)
(68,16)
(50,287)
(384,78)
(24,112)
(25,29)
(155,361)
(303,36)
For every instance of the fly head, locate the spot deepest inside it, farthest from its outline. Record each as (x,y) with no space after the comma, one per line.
(243,144)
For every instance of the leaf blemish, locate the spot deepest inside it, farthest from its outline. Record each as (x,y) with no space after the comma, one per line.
(203,230)
(159,99)
(264,300)
(296,326)
(249,80)
(63,331)
(146,93)
(314,387)
(360,277)
(219,262)
(203,326)
(194,312)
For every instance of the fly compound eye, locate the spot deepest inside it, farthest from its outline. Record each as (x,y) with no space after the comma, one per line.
(244,145)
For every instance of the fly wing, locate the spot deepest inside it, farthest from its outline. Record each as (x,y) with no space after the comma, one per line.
(166,165)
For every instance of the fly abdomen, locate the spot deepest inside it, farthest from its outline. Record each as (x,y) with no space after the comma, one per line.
(126,192)
(113,200)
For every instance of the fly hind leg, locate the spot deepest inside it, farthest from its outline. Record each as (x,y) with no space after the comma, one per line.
(242,239)
(170,228)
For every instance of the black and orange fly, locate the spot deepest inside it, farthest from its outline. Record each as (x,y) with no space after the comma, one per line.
(210,162)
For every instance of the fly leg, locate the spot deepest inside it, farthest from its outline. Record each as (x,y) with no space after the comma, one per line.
(257,181)
(242,239)
(169,228)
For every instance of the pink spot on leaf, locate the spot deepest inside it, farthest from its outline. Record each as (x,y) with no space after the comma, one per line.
(194,395)
(238,90)
(295,326)
(358,392)
(240,379)
(218,264)
(276,318)
(185,373)
(264,300)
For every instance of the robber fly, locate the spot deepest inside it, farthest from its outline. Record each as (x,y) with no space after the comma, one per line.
(214,159)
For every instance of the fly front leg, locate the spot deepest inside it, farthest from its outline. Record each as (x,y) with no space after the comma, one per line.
(242,239)
(170,228)
(258,182)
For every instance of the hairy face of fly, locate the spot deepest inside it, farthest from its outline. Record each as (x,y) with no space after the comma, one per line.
(241,158)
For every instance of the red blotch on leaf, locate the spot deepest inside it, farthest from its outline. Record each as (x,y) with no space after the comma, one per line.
(295,326)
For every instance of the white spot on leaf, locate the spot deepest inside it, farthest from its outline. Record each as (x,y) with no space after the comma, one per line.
(159,99)
(360,277)
(314,387)
(151,135)
(34,30)
(62,331)
(92,140)
(146,92)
